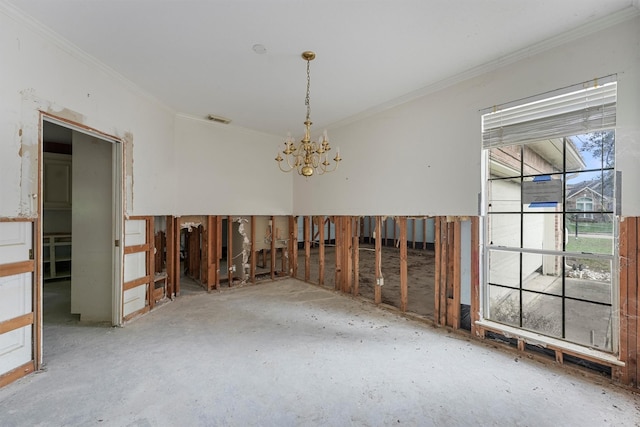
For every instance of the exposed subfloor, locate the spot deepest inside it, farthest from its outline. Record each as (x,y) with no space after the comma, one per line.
(288,353)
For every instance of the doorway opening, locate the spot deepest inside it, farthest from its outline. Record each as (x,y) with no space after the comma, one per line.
(80,225)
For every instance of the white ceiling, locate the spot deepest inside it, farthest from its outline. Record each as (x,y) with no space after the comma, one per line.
(196,56)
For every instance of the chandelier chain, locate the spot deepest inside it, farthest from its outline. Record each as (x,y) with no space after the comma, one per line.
(306,100)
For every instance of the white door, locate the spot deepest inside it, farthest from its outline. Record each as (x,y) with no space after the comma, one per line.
(92,230)
(17,315)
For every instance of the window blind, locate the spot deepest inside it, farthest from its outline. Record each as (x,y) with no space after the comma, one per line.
(573,113)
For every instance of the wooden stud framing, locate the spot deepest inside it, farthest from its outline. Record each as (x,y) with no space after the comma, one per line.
(252,259)
(150,261)
(16,323)
(212,249)
(358,227)
(475,275)
(402,222)
(377,289)
(321,259)
(17,373)
(454,304)
(284,252)
(339,284)
(447,274)
(293,246)
(439,237)
(273,247)
(629,293)
(17,268)
(625,231)
(37,296)
(204,253)
(349,235)
(307,248)
(632,302)
(171,250)
(176,256)
(230,250)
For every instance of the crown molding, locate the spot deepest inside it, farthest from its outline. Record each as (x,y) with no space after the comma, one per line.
(543,46)
(66,46)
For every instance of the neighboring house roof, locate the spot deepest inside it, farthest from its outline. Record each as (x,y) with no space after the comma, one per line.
(595,187)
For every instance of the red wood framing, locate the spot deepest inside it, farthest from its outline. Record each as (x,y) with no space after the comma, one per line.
(357,230)
(176,256)
(273,247)
(338,282)
(293,246)
(321,259)
(404,294)
(629,294)
(447,274)
(475,275)
(307,248)
(252,259)
(230,274)
(377,289)
(213,281)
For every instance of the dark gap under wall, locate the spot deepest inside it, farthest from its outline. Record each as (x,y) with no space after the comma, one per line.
(567,359)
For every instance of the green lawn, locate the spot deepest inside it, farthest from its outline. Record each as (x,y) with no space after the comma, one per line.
(593,245)
(589,227)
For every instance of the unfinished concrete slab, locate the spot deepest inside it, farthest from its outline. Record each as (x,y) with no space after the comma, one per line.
(288,353)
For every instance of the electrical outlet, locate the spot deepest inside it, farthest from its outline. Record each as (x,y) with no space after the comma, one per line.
(380,281)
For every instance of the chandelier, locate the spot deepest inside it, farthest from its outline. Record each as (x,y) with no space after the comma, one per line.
(308,156)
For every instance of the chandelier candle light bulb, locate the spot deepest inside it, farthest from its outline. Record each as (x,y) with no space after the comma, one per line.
(308,156)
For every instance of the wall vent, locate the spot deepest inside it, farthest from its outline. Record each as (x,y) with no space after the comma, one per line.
(218,119)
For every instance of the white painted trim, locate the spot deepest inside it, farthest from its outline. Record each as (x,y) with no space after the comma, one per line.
(82,129)
(544,341)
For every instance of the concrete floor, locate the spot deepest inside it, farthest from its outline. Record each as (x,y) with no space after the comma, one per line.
(287,353)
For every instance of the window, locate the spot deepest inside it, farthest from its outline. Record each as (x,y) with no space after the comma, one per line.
(585,204)
(550,228)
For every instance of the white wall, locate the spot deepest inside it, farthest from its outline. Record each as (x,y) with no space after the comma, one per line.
(189,167)
(38,74)
(224,170)
(423,157)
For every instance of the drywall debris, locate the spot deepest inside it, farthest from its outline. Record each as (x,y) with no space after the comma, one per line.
(190,225)
(246,247)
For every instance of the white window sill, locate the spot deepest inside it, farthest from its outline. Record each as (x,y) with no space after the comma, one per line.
(553,343)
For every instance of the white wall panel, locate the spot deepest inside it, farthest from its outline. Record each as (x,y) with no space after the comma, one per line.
(134,299)
(15,296)
(15,348)
(15,241)
(225,170)
(424,157)
(134,266)
(135,232)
